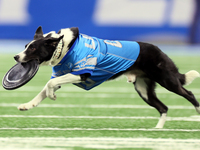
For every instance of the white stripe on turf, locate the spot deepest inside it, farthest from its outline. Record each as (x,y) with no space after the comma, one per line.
(111,94)
(191,118)
(62,143)
(101,129)
(96,106)
(100,89)
(75,95)
(93,96)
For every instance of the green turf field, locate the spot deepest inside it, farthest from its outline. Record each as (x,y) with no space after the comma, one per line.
(110,116)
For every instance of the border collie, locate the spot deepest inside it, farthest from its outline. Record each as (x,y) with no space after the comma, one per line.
(89,61)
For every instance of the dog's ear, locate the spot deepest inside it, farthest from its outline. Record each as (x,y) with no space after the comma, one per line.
(75,31)
(53,41)
(38,33)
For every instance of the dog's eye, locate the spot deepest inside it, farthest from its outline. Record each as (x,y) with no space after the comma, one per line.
(32,48)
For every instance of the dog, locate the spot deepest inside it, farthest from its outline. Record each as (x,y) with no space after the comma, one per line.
(89,61)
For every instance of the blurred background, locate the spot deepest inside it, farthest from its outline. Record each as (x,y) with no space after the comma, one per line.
(163,22)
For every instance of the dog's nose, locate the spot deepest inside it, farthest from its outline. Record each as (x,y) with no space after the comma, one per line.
(16,57)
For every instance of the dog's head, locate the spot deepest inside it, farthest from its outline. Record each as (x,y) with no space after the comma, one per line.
(42,47)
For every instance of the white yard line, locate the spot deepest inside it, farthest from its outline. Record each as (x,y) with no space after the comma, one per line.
(29,96)
(95,106)
(99,92)
(91,95)
(100,89)
(102,129)
(73,95)
(60,143)
(192,118)
(76,117)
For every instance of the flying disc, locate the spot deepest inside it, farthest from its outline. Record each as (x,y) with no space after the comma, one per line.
(20,74)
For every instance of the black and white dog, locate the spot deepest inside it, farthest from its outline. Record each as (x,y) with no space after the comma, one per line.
(151,66)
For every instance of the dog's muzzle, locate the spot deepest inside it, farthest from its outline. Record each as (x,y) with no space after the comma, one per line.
(16,57)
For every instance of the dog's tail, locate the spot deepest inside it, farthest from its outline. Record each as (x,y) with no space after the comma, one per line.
(188,77)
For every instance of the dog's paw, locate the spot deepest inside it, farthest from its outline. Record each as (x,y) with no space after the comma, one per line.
(50,93)
(52,96)
(197,109)
(50,90)
(26,106)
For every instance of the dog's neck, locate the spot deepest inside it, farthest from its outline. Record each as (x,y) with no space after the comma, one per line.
(58,54)
(62,47)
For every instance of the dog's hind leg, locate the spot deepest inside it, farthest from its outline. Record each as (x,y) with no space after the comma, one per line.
(145,88)
(173,84)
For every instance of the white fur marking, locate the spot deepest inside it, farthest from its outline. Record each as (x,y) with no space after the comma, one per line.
(53,34)
(190,76)
(130,78)
(161,121)
(22,54)
(141,87)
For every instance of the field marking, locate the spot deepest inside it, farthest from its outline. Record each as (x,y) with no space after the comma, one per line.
(191,118)
(96,106)
(125,89)
(116,95)
(95,96)
(100,92)
(62,143)
(102,129)
(77,95)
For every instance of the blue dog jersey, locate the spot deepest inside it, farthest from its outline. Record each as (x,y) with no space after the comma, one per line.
(100,58)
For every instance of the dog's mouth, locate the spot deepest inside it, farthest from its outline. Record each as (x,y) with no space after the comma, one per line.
(37,60)
(23,61)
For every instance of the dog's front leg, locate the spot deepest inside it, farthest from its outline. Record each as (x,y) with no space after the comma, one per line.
(35,101)
(56,82)
(49,89)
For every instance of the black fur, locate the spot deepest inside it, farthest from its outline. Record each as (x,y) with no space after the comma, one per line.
(38,33)
(75,34)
